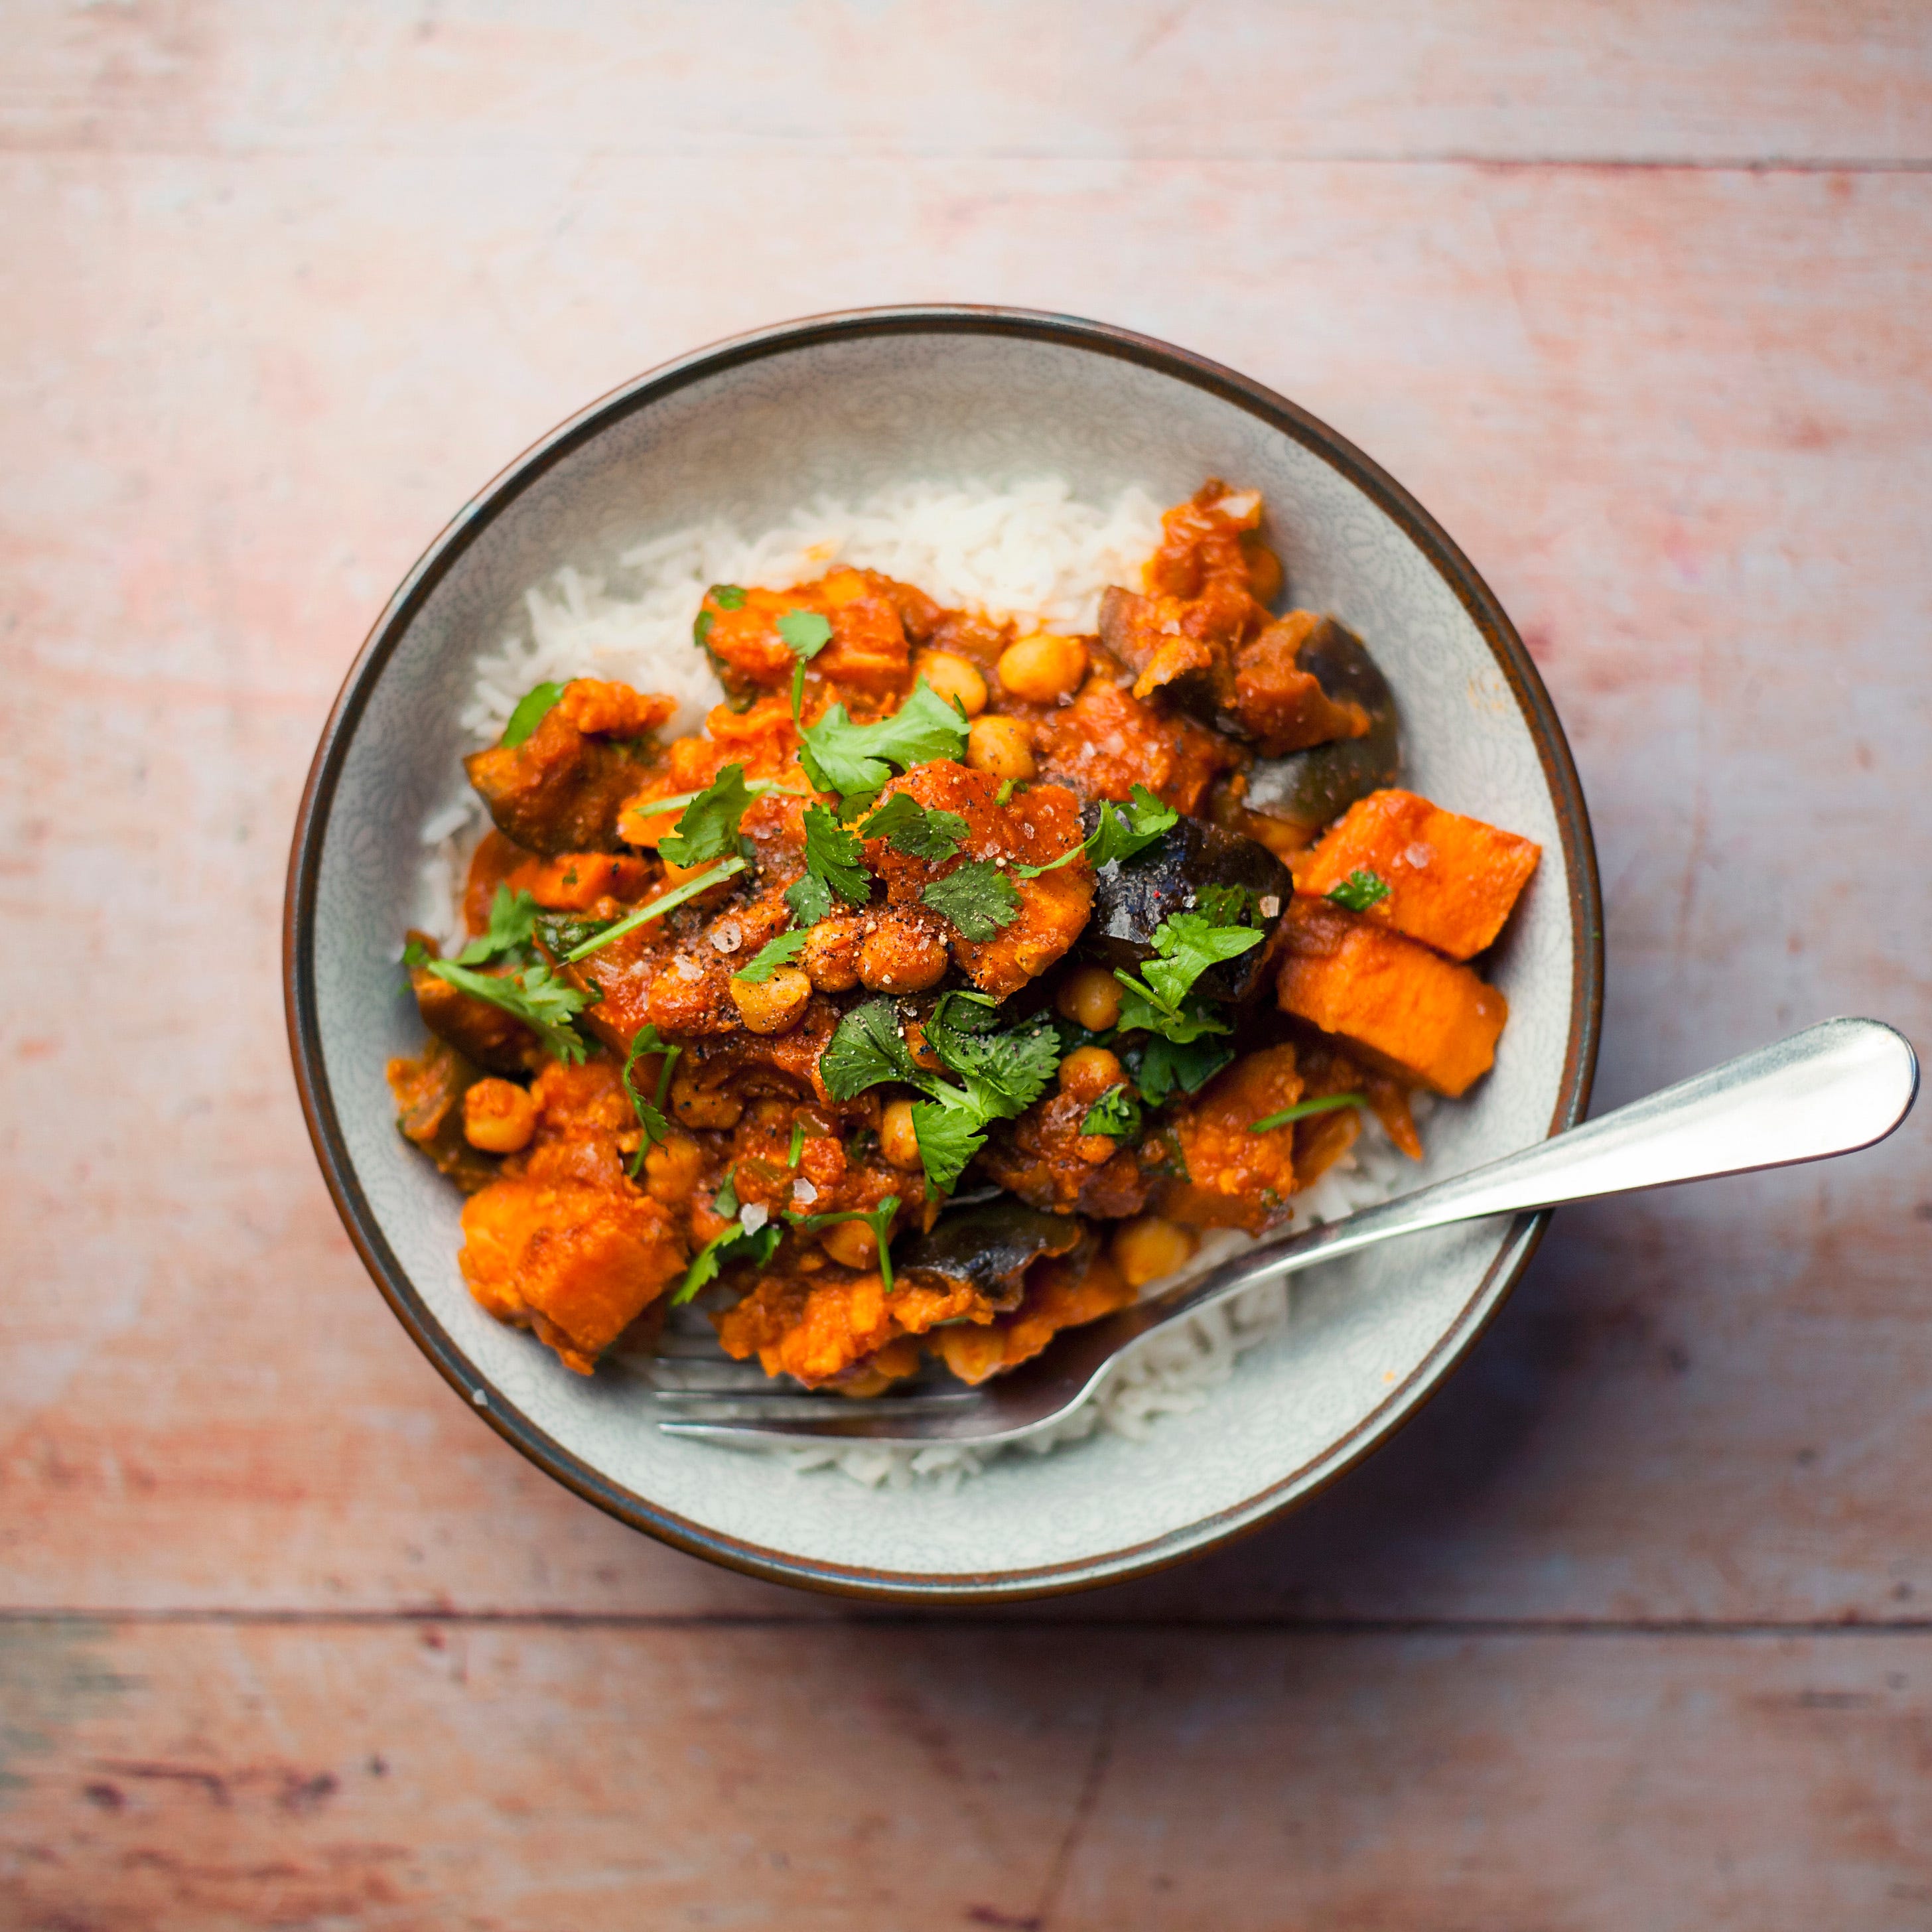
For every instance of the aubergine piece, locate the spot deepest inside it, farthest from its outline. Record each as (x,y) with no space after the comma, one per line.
(988,1249)
(496,1041)
(1132,897)
(1309,790)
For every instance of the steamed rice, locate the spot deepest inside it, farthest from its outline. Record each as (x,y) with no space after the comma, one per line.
(1030,551)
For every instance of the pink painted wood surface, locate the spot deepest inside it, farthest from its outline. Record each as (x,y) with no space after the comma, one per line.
(284,284)
(210,1778)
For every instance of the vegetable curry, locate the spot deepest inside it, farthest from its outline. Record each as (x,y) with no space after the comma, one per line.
(939,993)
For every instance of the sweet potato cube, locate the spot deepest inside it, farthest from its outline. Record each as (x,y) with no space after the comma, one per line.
(1452,880)
(1396,1003)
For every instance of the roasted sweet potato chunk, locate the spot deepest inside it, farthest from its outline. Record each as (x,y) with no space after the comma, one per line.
(561,789)
(1452,880)
(1235,1178)
(1395,1002)
(820,1330)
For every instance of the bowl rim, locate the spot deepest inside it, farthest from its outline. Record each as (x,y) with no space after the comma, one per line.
(299,992)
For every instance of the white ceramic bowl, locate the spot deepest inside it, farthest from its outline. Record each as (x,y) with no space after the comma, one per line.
(847,404)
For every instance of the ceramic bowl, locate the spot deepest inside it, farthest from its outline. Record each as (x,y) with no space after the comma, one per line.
(846,404)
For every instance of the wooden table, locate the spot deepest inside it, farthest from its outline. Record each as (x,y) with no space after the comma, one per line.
(1630,1629)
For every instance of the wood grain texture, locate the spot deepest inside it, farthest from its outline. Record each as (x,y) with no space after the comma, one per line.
(284,284)
(1789,82)
(205,1778)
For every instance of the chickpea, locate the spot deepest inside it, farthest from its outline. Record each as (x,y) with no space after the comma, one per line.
(1042,669)
(831,956)
(774,1005)
(698,1106)
(851,1244)
(1002,748)
(499,1116)
(898,1138)
(954,677)
(900,957)
(1090,998)
(671,1168)
(1146,1250)
(1088,1072)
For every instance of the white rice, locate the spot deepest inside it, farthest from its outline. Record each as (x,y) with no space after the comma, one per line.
(1030,552)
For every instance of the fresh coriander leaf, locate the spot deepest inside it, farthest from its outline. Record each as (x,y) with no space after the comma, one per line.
(650,1113)
(1162,1067)
(797,1143)
(560,931)
(909,827)
(948,1139)
(840,756)
(773,954)
(1120,832)
(1119,836)
(700,628)
(1143,1010)
(1006,790)
(1327,1104)
(879,1219)
(1004,1072)
(531,709)
(1115,1114)
(726,1250)
(810,899)
(866,1048)
(833,853)
(416,953)
(709,826)
(725,1201)
(978,898)
(665,902)
(512,923)
(543,1004)
(805,633)
(727,596)
(1188,943)
(1359,890)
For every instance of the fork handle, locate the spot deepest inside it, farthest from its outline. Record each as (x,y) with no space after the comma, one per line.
(1836,1086)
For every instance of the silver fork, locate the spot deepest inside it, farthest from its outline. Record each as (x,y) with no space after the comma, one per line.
(1831,1089)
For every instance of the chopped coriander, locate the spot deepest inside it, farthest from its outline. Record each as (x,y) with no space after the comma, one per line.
(657,808)
(1162,1067)
(1006,790)
(866,1048)
(1115,836)
(756,1245)
(727,596)
(832,854)
(977,897)
(416,953)
(1359,890)
(909,827)
(512,923)
(1227,905)
(543,1004)
(1005,1072)
(810,899)
(797,1143)
(531,709)
(650,1113)
(1116,1113)
(773,954)
(709,826)
(1327,1104)
(656,909)
(1187,944)
(560,931)
(948,1138)
(725,1201)
(851,759)
(879,1219)
(805,633)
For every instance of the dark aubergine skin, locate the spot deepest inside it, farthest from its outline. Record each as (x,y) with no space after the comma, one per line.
(1312,788)
(989,1248)
(1132,897)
